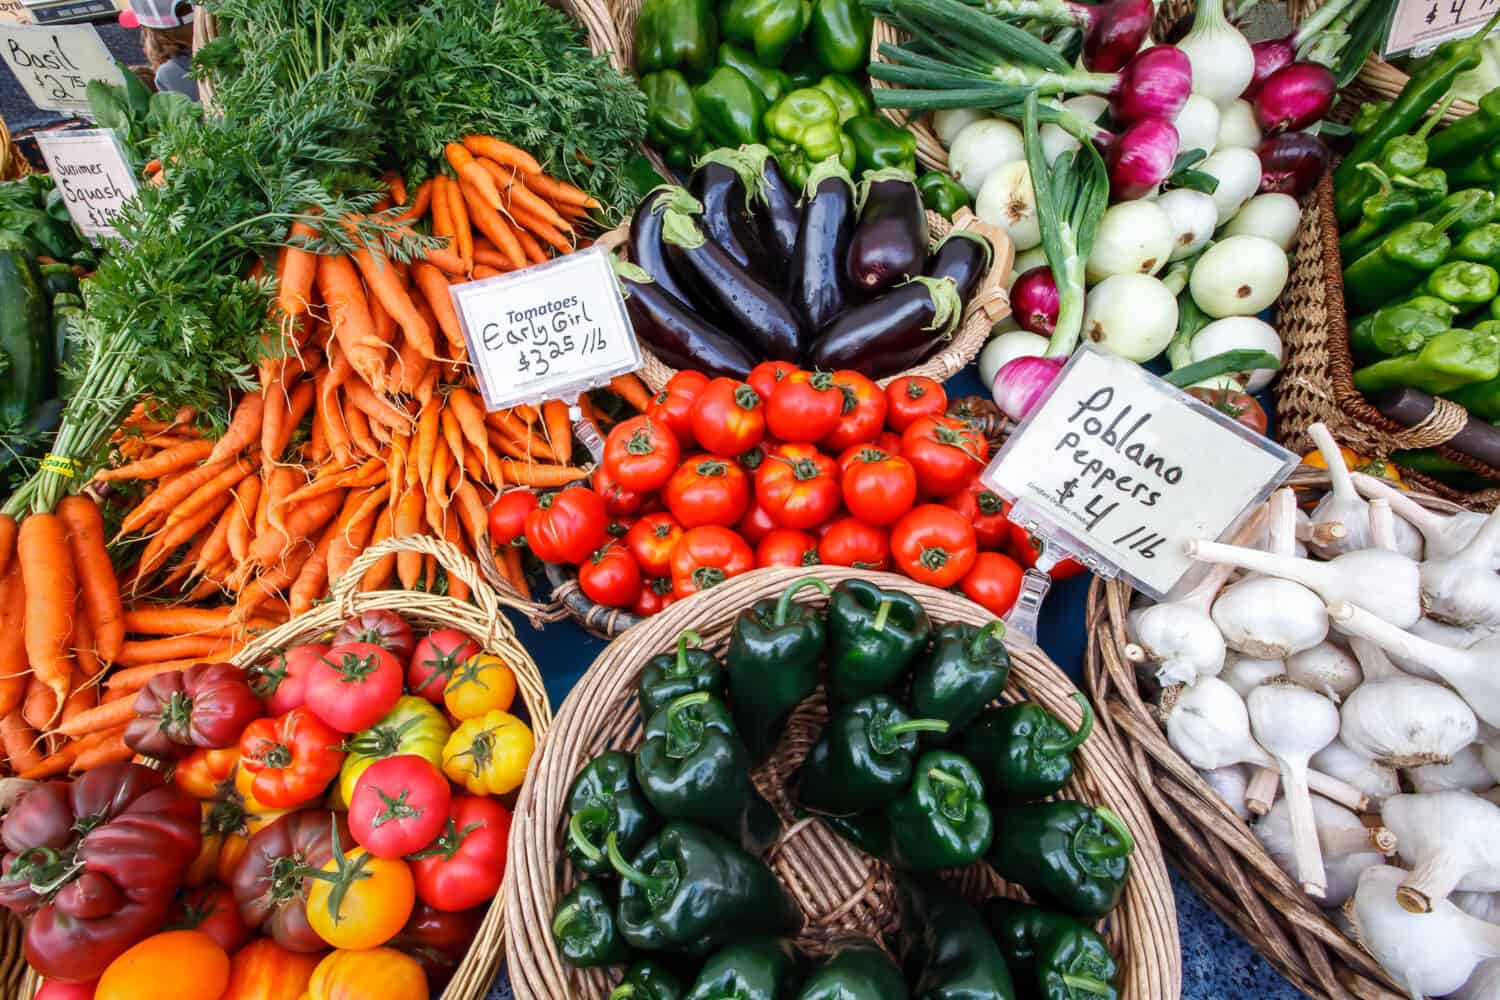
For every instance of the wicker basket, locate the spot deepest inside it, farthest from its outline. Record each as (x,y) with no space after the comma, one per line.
(484,622)
(1205,840)
(839,889)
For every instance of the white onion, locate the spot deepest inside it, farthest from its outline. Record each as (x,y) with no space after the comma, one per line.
(1193,216)
(1237,127)
(1006,346)
(1197,125)
(1238,173)
(1008,201)
(1132,315)
(948,122)
(980,149)
(1274,215)
(1239,276)
(1134,237)
(1239,333)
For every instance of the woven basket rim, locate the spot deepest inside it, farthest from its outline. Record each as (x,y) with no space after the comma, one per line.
(597,714)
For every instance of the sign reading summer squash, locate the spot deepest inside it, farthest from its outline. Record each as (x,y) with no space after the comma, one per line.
(90,170)
(55,64)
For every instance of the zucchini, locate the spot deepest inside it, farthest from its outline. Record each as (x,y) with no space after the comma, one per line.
(57,278)
(67,300)
(25,337)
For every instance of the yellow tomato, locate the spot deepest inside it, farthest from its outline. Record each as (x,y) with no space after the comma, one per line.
(489,755)
(360,901)
(183,965)
(1355,462)
(360,975)
(483,684)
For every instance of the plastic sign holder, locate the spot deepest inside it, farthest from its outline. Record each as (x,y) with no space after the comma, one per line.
(93,175)
(1419,26)
(1118,469)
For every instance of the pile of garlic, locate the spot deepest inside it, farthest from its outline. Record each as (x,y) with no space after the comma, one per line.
(1335,678)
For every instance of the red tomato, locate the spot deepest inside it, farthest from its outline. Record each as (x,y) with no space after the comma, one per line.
(619,527)
(673,406)
(933,545)
(787,547)
(399,805)
(437,656)
(508,516)
(656,596)
(728,417)
(889,442)
(986,511)
(766,376)
(1026,548)
(798,486)
(946,453)
(567,526)
(212,910)
(354,686)
(708,489)
(382,628)
(878,488)
(756,523)
(618,501)
(994,583)
(850,542)
(610,577)
(640,453)
(706,556)
(280,680)
(464,865)
(804,408)
(651,540)
(1237,405)
(862,415)
(912,396)
(56,989)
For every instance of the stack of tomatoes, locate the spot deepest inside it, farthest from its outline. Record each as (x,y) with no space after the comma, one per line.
(788,468)
(343,835)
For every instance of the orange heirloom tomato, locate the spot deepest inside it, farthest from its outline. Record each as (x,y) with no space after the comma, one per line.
(183,965)
(264,970)
(362,975)
(358,900)
(205,772)
(1355,462)
(483,684)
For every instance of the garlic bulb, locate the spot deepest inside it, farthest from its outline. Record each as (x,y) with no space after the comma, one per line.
(1452,636)
(1465,772)
(1342,503)
(1403,721)
(1326,669)
(1349,847)
(1269,618)
(1444,535)
(1293,723)
(1430,954)
(1245,673)
(1484,984)
(1376,780)
(1462,588)
(1452,840)
(1230,783)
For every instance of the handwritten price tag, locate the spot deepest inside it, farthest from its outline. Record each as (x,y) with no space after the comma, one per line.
(1120,467)
(547,332)
(89,169)
(1421,24)
(55,64)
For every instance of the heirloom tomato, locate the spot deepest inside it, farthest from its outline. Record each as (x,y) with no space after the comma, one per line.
(729,418)
(619,501)
(212,910)
(488,755)
(878,487)
(290,759)
(706,556)
(673,406)
(413,726)
(911,397)
(851,542)
(862,414)
(766,376)
(183,965)
(609,577)
(933,545)
(437,940)
(983,508)
(640,453)
(264,970)
(507,518)
(465,865)
(798,486)
(946,453)
(708,489)
(56,989)
(568,525)
(355,685)
(272,883)
(385,629)
(804,408)
(206,773)
(483,684)
(786,547)
(651,540)
(437,656)
(361,975)
(1236,404)
(399,806)
(280,680)
(206,705)
(357,900)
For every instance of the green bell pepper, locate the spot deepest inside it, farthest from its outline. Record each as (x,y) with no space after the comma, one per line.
(606,798)
(802,67)
(849,97)
(1480,245)
(648,979)
(1399,262)
(585,928)
(1405,155)
(760,968)
(774,649)
(673,125)
(1052,954)
(863,758)
(857,970)
(669,676)
(1469,136)
(879,144)
(840,32)
(1023,751)
(690,890)
(1381,212)
(942,820)
(1064,854)
(941,193)
(770,27)
(964,672)
(692,765)
(947,947)
(771,83)
(1464,283)
(675,34)
(1430,185)
(1451,359)
(1474,208)
(1397,329)
(803,130)
(1482,399)
(731,107)
(873,637)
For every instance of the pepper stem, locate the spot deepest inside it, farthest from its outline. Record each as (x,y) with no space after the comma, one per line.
(622,992)
(1088,984)
(646,883)
(1446,222)
(951,781)
(915,726)
(682,649)
(881,614)
(1381,177)
(579,839)
(1437,116)
(1100,849)
(785,604)
(563,918)
(995,628)
(1079,735)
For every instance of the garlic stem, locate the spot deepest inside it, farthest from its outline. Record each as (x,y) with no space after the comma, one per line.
(1429,954)
(1261,793)
(1382,525)
(1292,724)
(1324,534)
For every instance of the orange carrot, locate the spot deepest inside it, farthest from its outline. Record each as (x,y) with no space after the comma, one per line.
(471,511)
(520,434)
(39,707)
(511,568)
(518,196)
(243,429)
(457,589)
(409,522)
(419,203)
(165,542)
(166,497)
(386,287)
(47,573)
(559,191)
(300,401)
(503,153)
(130,679)
(630,389)
(446,261)
(428,425)
(241,518)
(83,697)
(531,247)
(442,209)
(559,429)
(378,408)
(96,574)
(331,478)
(488,220)
(488,256)
(313,578)
(297,269)
(214,489)
(463,234)
(216,547)
(349,313)
(86,649)
(171,460)
(352,536)
(300,523)
(359,431)
(8,529)
(541,227)
(15,674)
(19,742)
(434,288)
(531,474)
(397,185)
(109,751)
(53,764)
(469,415)
(138,652)
(464,164)
(453,435)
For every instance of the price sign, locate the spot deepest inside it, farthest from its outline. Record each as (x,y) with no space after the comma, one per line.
(547,332)
(90,170)
(1421,24)
(14,12)
(1122,468)
(55,64)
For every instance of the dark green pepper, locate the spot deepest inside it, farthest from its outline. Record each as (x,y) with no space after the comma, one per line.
(1399,262)
(1368,114)
(856,970)
(864,757)
(675,34)
(1464,283)
(761,968)
(879,144)
(849,97)
(606,798)
(1451,359)
(1430,185)
(1024,751)
(690,890)
(770,27)
(1405,155)
(1480,245)
(771,83)
(840,33)
(873,637)
(692,765)
(1051,954)
(964,672)
(585,930)
(803,129)
(941,193)
(774,649)
(1399,328)
(1480,171)
(1469,136)
(1382,211)
(946,948)
(648,979)
(942,821)
(731,108)
(869,832)
(673,125)
(802,67)
(669,676)
(1064,854)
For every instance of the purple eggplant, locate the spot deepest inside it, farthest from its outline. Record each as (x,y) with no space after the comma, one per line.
(965,256)
(774,207)
(645,247)
(676,333)
(815,286)
(890,241)
(723,181)
(892,333)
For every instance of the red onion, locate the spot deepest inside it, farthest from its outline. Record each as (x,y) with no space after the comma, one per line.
(1140,158)
(1294,97)
(1291,163)
(1034,301)
(1115,32)
(1022,382)
(1270,56)
(1154,84)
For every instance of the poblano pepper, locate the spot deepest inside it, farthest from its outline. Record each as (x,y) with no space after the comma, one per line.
(1480,245)
(1465,283)
(1405,155)
(803,130)
(873,637)
(1477,208)
(941,193)
(1023,751)
(946,948)
(879,144)
(774,649)
(648,979)
(856,970)
(965,671)
(1400,262)
(840,33)
(1396,329)
(1053,956)
(669,676)
(760,968)
(1382,211)
(675,34)
(692,765)
(673,125)
(1451,359)
(606,798)
(731,108)
(1064,854)
(942,820)
(1470,135)
(849,97)
(869,832)
(771,83)
(690,890)
(863,758)
(770,27)
(585,929)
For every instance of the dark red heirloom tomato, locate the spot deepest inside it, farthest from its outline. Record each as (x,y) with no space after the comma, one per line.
(385,629)
(207,705)
(212,910)
(438,941)
(272,880)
